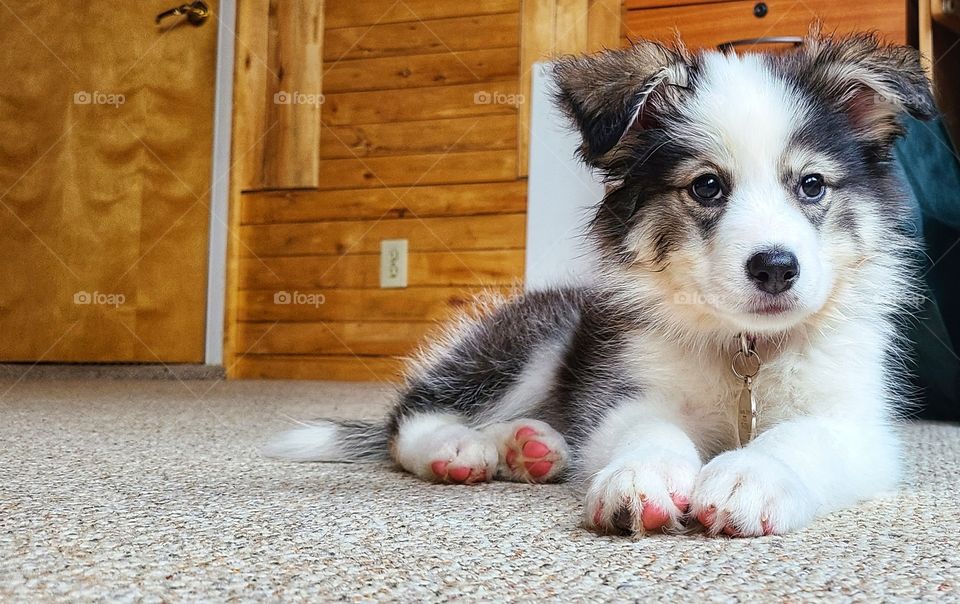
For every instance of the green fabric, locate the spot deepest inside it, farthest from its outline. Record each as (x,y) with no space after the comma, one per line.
(931,170)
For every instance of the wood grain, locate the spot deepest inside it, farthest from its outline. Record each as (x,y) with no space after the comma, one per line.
(637,4)
(104,169)
(373,12)
(420,201)
(481,133)
(368,305)
(291,145)
(305,367)
(338,338)
(250,94)
(537,43)
(440,69)
(501,231)
(354,108)
(604,24)
(548,28)
(409,170)
(278,94)
(423,37)
(424,269)
(571,26)
(705,26)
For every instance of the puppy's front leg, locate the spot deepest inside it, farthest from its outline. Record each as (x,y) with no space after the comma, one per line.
(642,467)
(793,472)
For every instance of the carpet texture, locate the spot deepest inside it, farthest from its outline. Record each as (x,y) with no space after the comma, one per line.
(154,491)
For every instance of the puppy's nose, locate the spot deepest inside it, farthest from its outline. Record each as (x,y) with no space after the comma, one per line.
(773,271)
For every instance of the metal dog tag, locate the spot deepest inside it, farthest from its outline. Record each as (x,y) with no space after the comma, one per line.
(746,365)
(746,414)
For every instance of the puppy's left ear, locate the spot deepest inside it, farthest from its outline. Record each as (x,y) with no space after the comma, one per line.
(873,83)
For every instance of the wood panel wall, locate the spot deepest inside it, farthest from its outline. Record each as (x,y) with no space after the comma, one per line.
(707,24)
(421,136)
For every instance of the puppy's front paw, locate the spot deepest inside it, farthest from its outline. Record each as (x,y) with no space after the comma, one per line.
(745,493)
(650,491)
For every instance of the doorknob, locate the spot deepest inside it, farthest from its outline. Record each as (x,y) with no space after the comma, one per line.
(196,12)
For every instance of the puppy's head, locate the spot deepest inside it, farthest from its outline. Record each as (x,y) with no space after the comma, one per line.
(744,191)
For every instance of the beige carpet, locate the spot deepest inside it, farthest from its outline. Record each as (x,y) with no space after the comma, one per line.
(154,491)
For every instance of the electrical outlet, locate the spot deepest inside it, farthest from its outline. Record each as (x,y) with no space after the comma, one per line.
(393,263)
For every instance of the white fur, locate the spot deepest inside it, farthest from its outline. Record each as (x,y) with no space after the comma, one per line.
(429,437)
(641,455)
(311,442)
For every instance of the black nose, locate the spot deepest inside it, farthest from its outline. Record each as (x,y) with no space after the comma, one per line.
(773,271)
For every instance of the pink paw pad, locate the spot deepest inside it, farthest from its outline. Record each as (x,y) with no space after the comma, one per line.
(525,432)
(707,516)
(439,468)
(598,516)
(539,469)
(527,453)
(653,517)
(535,448)
(458,474)
(681,501)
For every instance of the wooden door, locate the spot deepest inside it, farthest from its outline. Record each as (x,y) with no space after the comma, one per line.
(105,151)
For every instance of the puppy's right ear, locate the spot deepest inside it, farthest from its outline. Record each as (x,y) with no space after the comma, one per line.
(608,94)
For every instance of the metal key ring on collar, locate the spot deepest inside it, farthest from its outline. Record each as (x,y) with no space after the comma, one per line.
(743,358)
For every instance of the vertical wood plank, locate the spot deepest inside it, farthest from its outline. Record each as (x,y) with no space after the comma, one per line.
(547,28)
(250,93)
(292,146)
(537,30)
(925,33)
(604,24)
(571,26)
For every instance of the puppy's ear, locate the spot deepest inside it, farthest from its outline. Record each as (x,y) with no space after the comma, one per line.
(608,93)
(872,83)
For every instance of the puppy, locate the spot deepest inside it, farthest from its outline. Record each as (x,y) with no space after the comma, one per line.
(736,361)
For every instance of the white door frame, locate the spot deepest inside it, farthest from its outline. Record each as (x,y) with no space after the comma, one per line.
(220,183)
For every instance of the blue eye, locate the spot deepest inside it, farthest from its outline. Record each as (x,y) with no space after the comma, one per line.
(707,189)
(812,188)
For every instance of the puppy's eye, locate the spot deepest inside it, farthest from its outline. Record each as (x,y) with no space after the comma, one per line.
(707,189)
(812,188)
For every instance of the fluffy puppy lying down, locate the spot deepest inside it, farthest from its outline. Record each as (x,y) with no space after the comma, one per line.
(736,360)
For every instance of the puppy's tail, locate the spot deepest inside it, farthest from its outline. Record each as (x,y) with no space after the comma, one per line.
(331,440)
